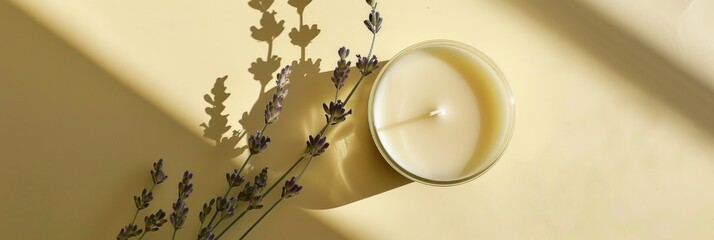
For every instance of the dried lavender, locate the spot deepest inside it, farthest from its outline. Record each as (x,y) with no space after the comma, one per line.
(335,112)
(366,66)
(178,216)
(143,200)
(374,21)
(207,207)
(256,144)
(272,110)
(291,188)
(253,195)
(317,145)
(342,71)
(157,174)
(153,222)
(259,142)
(129,231)
(206,234)
(226,208)
(234,179)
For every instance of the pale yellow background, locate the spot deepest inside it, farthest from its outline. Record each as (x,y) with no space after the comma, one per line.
(613,140)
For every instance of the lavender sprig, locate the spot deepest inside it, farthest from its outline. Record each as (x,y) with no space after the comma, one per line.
(374,21)
(272,110)
(251,194)
(143,200)
(207,207)
(129,231)
(206,234)
(365,65)
(342,71)
(226,208)
(335,112)
(234,179)
(258,142)
(178,216)
(317,145)
(153,222)
(157,174)
(291,188)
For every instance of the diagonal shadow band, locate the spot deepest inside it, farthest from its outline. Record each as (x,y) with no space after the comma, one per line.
(76,145)
(624,52)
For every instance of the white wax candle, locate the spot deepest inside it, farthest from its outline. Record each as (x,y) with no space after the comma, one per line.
(441,112)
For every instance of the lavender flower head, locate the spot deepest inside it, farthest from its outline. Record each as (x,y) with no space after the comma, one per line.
(234,179)
(207,207)
(185,188)
(258,142)
(272,110)
(291,188)
(129,231)
(262,178)
(153,222)
(253,193)
(157,174)
(144,199)
(226,206)
(342,71)
(366,66)
(206,234)
(317,145)
(374,21)
(335,112)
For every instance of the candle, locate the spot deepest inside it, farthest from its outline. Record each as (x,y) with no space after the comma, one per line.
(441,112)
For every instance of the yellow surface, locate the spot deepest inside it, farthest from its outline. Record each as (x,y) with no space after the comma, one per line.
(612,141)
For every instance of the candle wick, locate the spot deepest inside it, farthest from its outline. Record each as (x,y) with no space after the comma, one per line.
(436,112)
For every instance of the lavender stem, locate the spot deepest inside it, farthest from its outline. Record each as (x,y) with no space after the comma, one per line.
(251,155)
(216,212)
(369,55)
(286,173)
(303,169)
(261,217)
(133,220)
(232,223)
